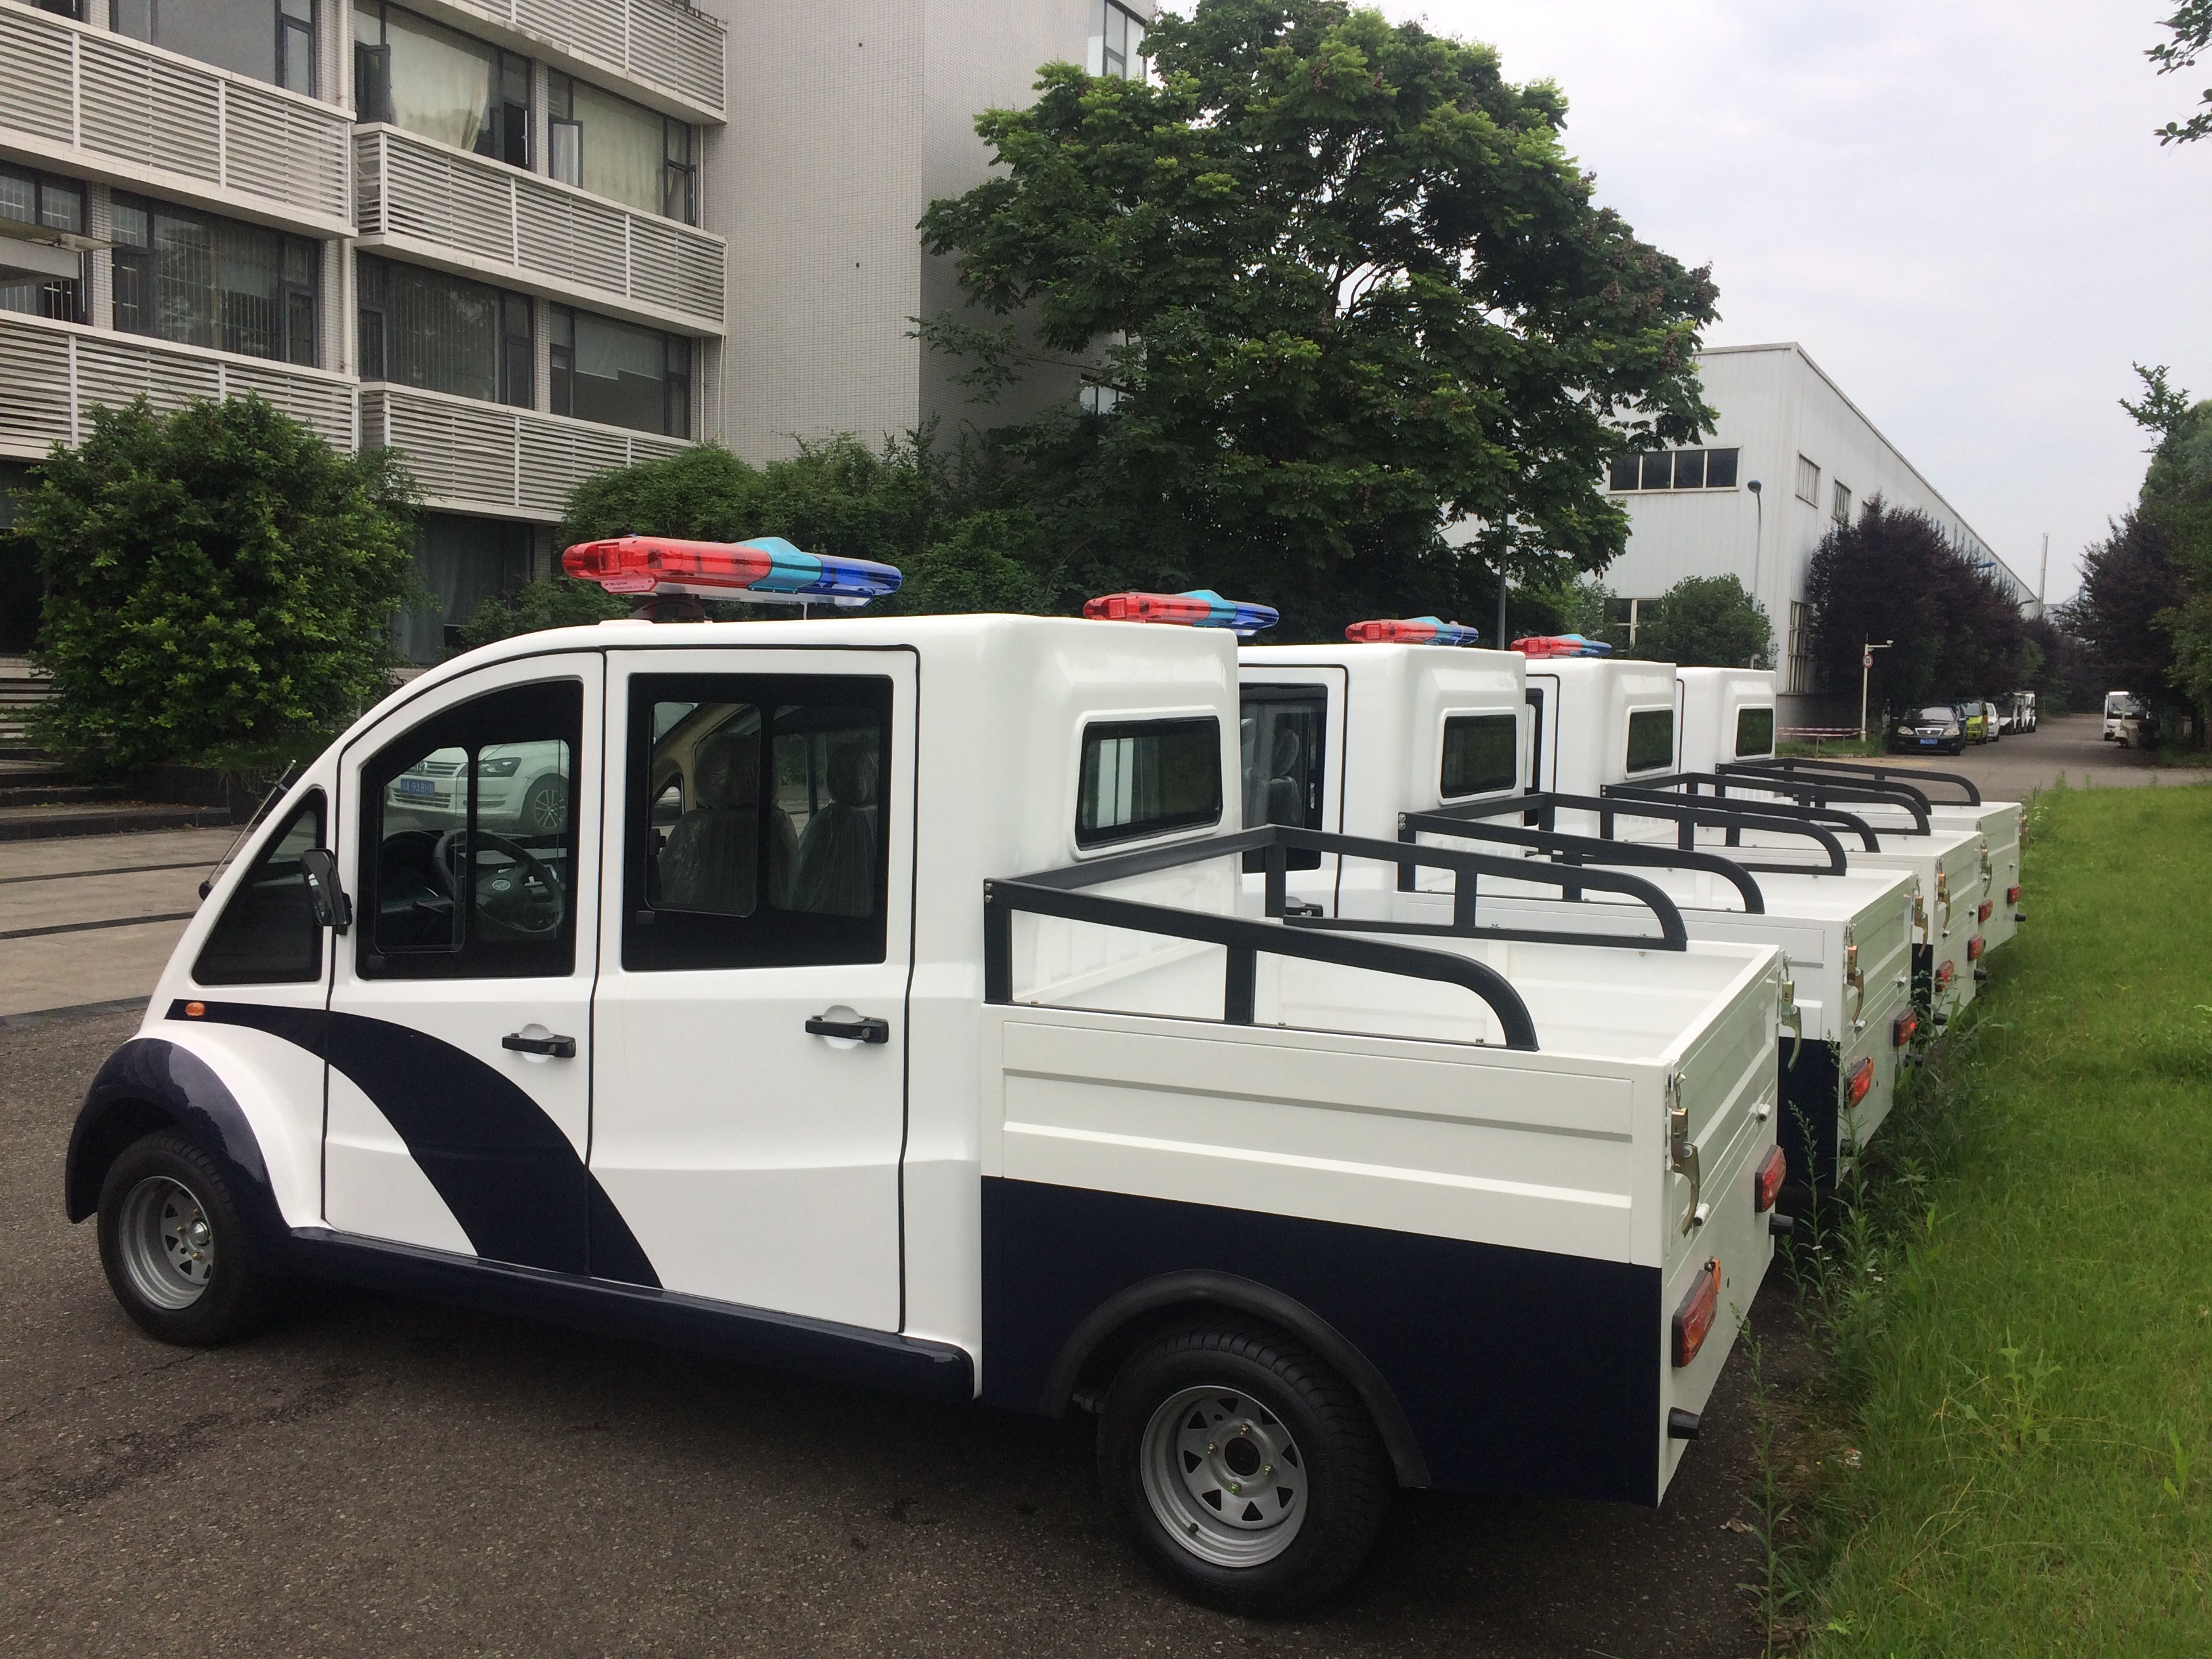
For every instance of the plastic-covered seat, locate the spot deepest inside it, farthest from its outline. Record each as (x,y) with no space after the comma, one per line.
(1287,789)
(712,860)
(838,855)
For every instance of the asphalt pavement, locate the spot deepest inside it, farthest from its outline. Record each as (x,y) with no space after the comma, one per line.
(2067,747)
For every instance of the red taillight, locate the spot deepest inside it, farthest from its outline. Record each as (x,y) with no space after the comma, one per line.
(1974,948)
(1768,1181)
(1862,1080)
(1695,1316)
(2012,896)
(1902,1027)
(1943,974)
(1988,905)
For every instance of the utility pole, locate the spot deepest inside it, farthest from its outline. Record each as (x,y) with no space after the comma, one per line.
(1866,668)
(2043,576)
(1500,646)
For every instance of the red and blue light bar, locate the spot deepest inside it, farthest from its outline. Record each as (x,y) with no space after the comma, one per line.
(1200,607)
(1416,630)
(1561,644)
(766,570)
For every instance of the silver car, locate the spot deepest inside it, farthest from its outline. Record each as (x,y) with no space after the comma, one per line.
(522,789)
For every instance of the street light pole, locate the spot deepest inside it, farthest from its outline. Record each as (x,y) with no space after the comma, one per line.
(1866,668)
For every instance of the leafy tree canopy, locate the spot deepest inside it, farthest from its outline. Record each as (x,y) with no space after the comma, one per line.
(220,583)
(1709,621)
(1890,574)
(1348,284)
(2177,498)
(2191,27)
(2127,581)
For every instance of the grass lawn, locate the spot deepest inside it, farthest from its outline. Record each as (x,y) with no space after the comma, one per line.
(2033,1407)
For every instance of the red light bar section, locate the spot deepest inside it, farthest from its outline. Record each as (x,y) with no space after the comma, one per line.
(766,569)
(1200,607)
(1767,1183)
(1694,1318)
(1901,1029)
(1862,1080)
(1417,630)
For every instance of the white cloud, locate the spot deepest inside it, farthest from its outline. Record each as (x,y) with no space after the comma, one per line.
(1957,208)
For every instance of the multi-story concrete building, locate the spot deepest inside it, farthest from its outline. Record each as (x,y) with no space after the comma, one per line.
(521,240)
(1790,458)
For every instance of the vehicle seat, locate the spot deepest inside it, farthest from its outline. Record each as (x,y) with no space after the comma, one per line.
(1286,794)
(712,859)
(838,855)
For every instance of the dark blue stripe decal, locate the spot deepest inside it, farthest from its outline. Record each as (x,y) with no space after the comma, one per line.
(503,1166)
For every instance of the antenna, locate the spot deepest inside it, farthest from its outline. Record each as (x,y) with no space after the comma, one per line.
(260,812)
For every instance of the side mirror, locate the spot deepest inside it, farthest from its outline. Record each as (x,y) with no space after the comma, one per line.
(319,868)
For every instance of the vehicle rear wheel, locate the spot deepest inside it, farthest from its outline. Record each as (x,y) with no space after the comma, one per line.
(177,1251)
(1248,1473)
(546,808)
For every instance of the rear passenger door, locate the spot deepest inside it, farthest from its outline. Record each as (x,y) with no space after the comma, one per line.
(750,1027)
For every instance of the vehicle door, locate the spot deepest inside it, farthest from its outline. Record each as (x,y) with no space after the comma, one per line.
(459,1036)
(751,1031)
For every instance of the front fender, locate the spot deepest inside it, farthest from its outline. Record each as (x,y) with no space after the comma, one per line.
(151,1084)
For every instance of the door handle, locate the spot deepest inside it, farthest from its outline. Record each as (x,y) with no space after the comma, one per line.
(559,1048)
(853,1030)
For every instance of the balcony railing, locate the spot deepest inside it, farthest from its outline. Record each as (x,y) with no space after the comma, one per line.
(477,457)
(51,373)
(661,45)
(167,122)
(448,206)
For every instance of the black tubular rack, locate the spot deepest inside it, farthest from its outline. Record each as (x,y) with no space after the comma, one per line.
(1915,780)
(1310,938)
(1540,810)
(1572,851)
(1811,794)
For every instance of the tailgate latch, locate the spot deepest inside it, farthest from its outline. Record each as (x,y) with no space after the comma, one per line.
(1681,1150)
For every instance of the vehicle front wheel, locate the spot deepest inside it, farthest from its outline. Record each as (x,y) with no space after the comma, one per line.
(1248,1474)
(177,1250)
(546,808)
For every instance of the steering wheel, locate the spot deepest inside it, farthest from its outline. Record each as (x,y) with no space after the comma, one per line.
(506,897)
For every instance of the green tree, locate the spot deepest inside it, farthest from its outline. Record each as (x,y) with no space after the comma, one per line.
(2177,500)
(1708,622)
(219,585)
(2131,582)
(2191,27)
(1347,285)
(1892,575)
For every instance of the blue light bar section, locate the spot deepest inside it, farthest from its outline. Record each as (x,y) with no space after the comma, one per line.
(1240,618)
(1589,647)
(1450,633)
(797,577)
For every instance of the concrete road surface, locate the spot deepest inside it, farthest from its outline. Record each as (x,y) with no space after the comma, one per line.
(2068,746)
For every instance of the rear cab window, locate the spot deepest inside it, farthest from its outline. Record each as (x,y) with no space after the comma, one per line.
(1481,755)
(1651,739)
(1145,778)
(1282,744)
(1754,732)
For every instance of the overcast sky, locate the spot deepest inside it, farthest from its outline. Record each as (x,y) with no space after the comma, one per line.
(1955,206)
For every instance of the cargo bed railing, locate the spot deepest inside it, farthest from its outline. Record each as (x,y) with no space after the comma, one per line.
(1970,794)
(1825,829)
(1808,794)
(1575,851)
(1305,936)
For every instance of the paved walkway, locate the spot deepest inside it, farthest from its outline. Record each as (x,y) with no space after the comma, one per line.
(92,919)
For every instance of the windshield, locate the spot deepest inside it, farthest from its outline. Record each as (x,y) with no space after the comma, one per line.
(1939,712)
(2119,704)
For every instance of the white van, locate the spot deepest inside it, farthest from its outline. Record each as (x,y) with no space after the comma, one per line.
(882,1008)
(2127,722)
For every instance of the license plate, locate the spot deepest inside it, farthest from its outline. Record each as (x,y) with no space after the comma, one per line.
(418,787)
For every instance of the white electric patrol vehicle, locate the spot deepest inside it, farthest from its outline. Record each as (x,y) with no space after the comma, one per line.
(1426,743)
(2127,722)
(1608,729)
(882,1008)
(1728,726)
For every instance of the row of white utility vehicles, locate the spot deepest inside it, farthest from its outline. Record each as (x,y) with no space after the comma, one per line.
(1337,1068)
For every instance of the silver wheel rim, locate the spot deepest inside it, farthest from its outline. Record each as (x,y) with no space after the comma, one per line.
(1223,1476)
(547,809)
(168,1242)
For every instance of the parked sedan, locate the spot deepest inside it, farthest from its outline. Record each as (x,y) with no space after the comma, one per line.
(522,789)
(1939,727)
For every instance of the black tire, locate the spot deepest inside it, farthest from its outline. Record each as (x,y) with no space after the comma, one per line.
(179,1254)
(1259,1390)
(546,808)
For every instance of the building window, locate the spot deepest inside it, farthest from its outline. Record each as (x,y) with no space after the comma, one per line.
(272,40)
(36,277)
(423,328)
(438,82)
(1808,482)
(199,280)
(622,151)
(1674,469)
(1842,504)
(1118,48)
(462,562)
(621,374)
(1801,649)
(73,9)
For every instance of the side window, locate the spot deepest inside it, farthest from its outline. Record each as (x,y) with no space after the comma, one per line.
(1754,732)
(267,933)
(1481,755)
(468,836)
(1282,740)
(754,807)
(1146,778)
(1651,739)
